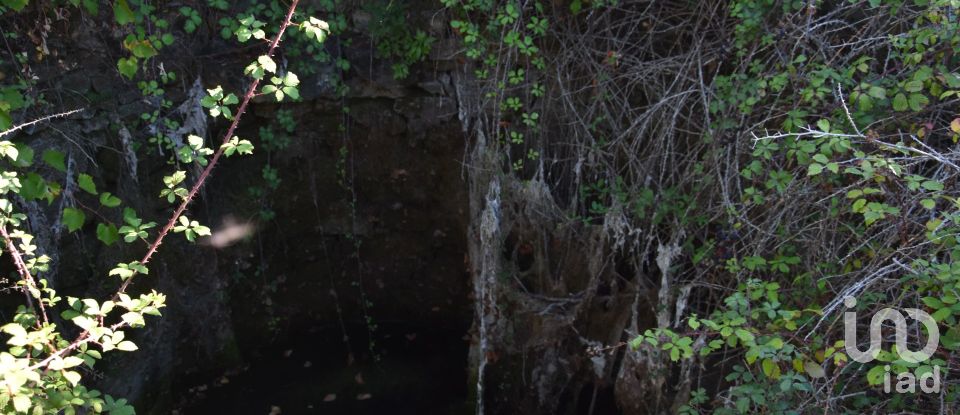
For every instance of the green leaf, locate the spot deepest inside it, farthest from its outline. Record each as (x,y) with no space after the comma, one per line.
(928,204)
(230,99)
(195,141)
(942,314)
(72,377)
(918,101)
(814,370)
(21,403)
(933,302)
(292,92)
(33,187)
(858,205)
(770,368)
(134,319)
(126,346)
(55,159)
(575,6)
(72,361)
(130,217)
(25,158)
(86,183)
(236,145)
(123,273)
(8,149)
(84,322)
(824,125)
(913,86)
(107,233)
(109,200)
(122,13)
(142,49)
(73,219)
(92,6)
(16,5)
(317,28)
(932,185)
(127,66)
(814,169)
(877,92)
(875,375)
(291,79)
(776,343)
(5,123)
(900,102)
(14,330)
(267,63)
(174,179)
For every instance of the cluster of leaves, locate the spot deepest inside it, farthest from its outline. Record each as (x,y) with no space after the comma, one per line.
(503,39)
(390,31)
(860,159)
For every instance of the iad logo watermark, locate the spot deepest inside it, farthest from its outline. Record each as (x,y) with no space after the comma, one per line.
(906,381)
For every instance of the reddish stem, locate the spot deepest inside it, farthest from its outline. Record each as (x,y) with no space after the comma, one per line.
(23,271)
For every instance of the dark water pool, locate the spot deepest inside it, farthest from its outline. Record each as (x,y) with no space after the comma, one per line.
(411,370)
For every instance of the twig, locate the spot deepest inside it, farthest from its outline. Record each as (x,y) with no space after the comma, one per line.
(23,271)
(847,110)
(39,120)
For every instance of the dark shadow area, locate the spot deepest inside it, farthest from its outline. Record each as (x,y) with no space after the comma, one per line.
(412,370)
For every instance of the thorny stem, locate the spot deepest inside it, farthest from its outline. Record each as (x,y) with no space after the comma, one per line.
(84,337)
(23,271)
(39,120)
